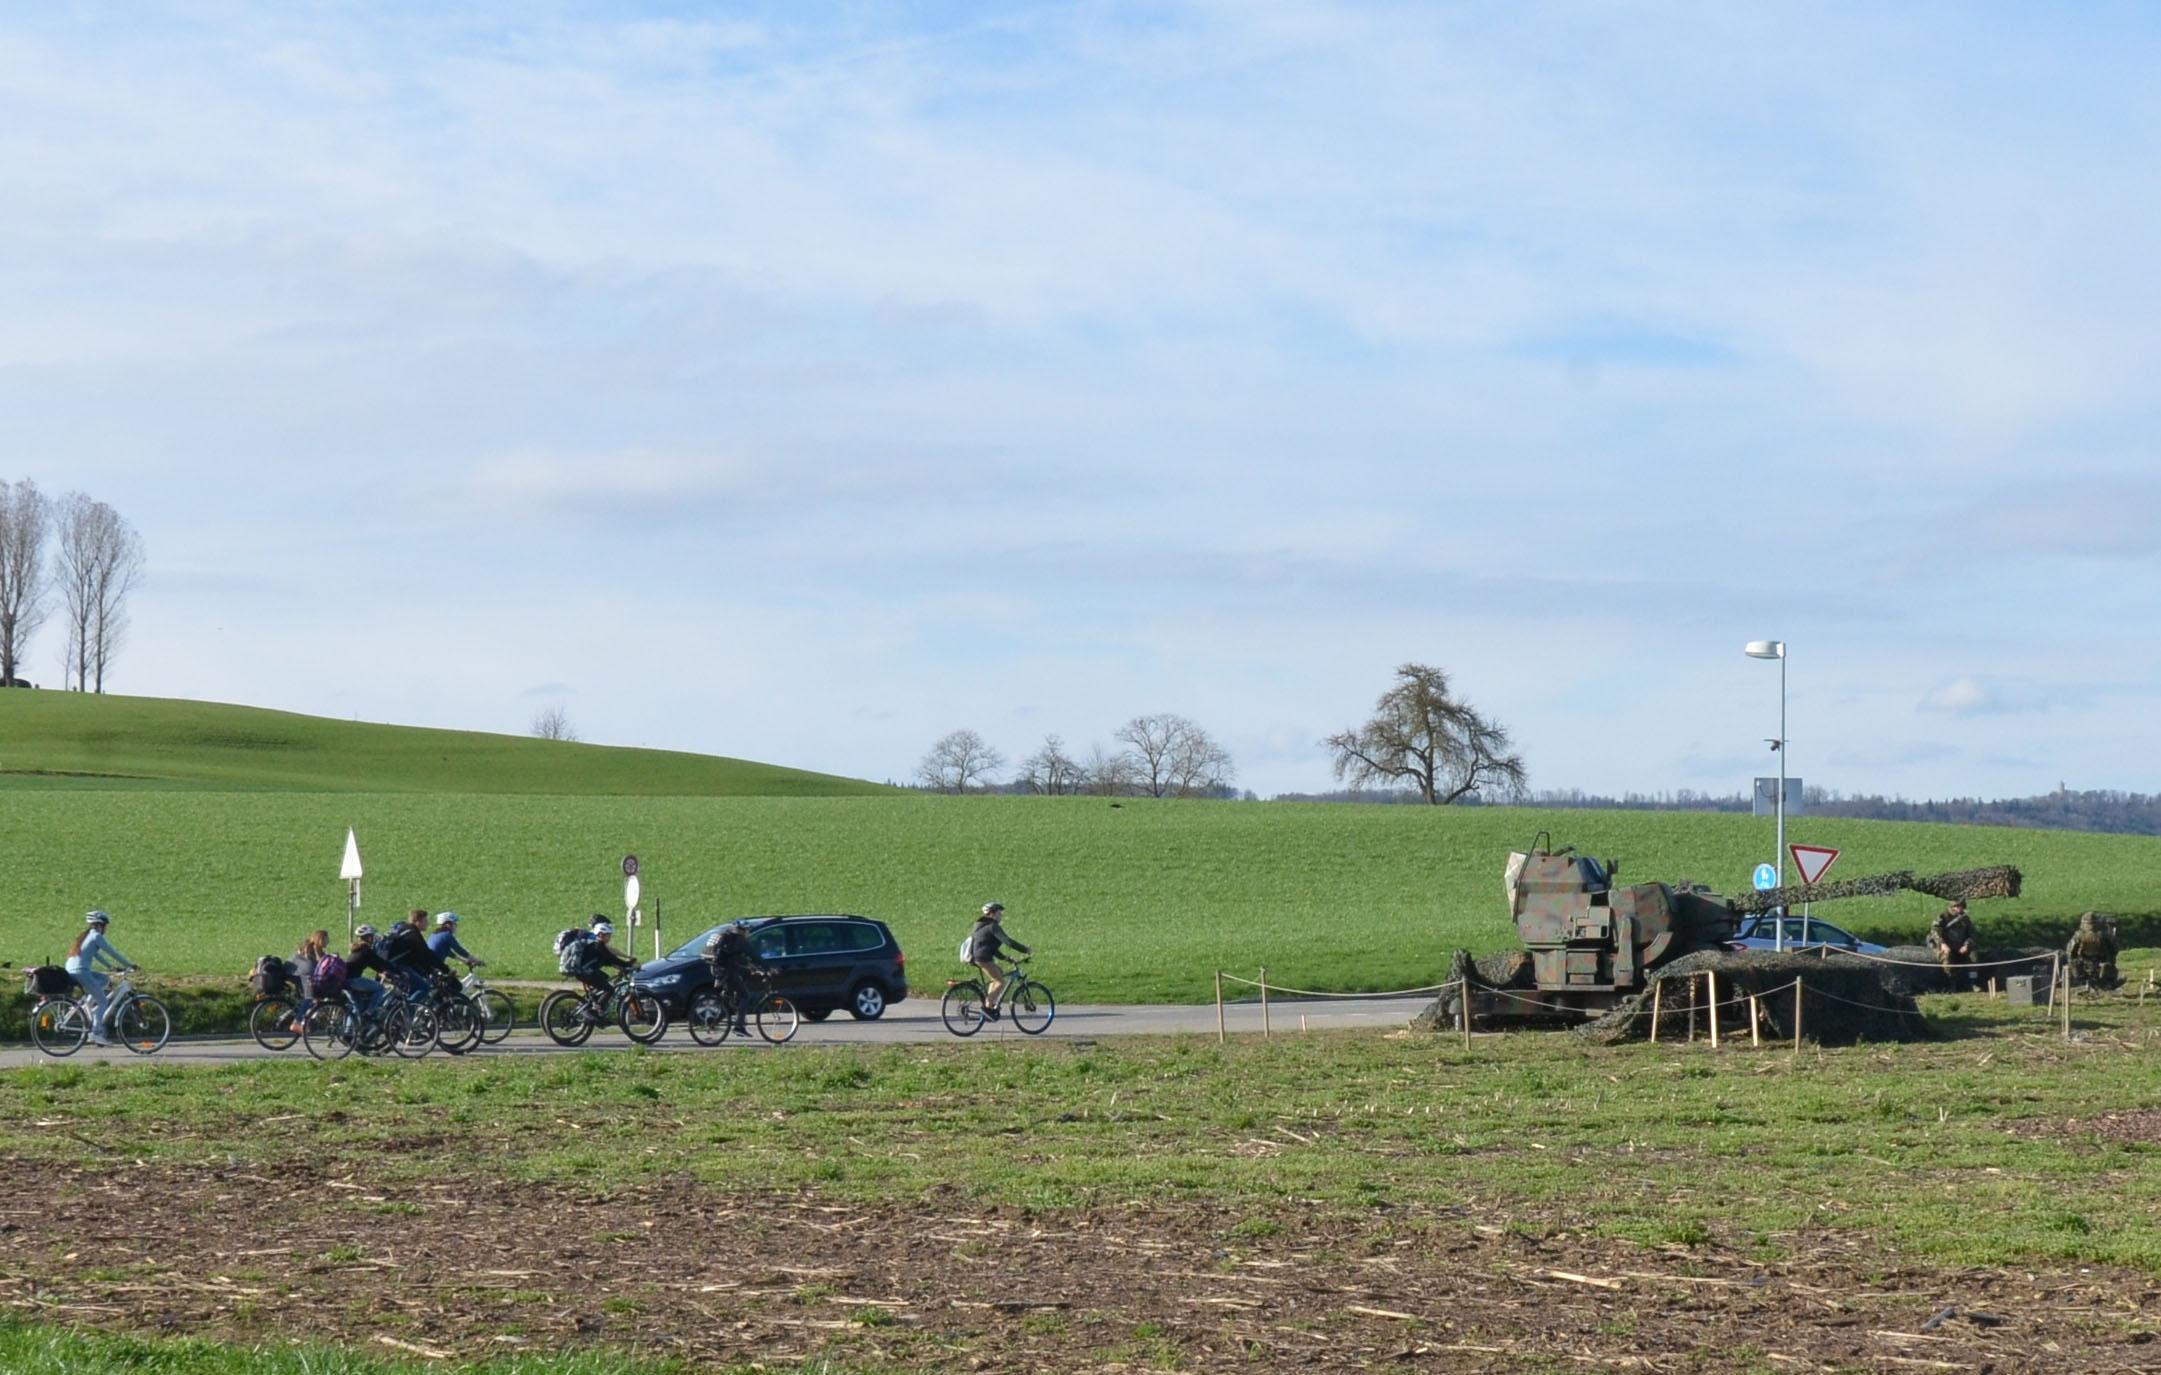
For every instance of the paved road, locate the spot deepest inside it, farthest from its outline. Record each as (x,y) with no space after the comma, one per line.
(914,1020)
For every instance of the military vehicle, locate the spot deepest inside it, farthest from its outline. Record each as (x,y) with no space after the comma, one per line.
(1592,942)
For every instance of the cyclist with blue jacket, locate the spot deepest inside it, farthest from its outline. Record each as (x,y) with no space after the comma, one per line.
(445,944)
(89,951)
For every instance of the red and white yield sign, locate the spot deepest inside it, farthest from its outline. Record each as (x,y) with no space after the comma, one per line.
(1814,861)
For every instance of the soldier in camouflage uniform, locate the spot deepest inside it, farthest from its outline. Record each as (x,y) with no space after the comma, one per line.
(2092,951)
(1952,937)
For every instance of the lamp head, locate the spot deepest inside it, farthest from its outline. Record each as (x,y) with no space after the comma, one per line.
(1766,649)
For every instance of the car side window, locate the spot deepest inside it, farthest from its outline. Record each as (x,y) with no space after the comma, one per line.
(861,935)
(814,938)
(770,944)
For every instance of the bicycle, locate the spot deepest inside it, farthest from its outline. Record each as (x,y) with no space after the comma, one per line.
(498,1013)
(61,1023)
(272,1022)
(1030,1004)
(569,1015)
(715,1009)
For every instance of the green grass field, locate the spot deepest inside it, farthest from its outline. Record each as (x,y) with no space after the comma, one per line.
(71,740)
(1135,901)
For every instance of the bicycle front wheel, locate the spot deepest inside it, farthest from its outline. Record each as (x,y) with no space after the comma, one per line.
(708,1017)
(777,1019)
(562,1016)
(962,1009)
(1031,1007)
(642,1016)
(330,1031)
(142,1024)
(59,1027)
(458,1024)
(416,1032)
(271,1021)
(498,1014)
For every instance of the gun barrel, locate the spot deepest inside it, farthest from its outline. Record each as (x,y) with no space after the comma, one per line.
(1998,881)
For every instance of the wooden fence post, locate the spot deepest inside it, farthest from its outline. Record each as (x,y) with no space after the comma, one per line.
(2067,1002)
(1463,1009)
(1798,989)
(1658,987)
(1691,1009)
(1221,1035)
(1755,1021)
(1710,978)
(1266,1030)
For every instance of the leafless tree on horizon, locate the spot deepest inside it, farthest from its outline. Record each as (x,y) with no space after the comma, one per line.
(553,723)
(1051,771)
(1173,757)
(25,524)
(100,562)
(959,760)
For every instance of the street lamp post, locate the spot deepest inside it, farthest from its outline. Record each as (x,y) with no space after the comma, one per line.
(1776,649)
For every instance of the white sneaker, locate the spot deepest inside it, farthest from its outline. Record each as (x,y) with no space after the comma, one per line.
(105,1041)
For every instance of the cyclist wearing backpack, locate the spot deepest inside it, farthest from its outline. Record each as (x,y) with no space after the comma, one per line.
(733,957)
(982,948)
(358,961)
(596,957)
(445,942)
(325,971)
(84,956)
(404,948)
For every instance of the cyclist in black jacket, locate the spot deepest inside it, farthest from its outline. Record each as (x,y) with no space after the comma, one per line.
(597,957)
(405,950)
(358,961)
(733,957)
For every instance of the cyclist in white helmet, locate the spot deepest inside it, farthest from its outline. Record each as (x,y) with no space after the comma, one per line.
(89,951)
(985,942)
(597,956)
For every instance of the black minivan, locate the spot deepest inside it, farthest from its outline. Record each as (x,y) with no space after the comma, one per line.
(821,962)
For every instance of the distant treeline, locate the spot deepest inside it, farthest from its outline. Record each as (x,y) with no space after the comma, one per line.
(2117,813)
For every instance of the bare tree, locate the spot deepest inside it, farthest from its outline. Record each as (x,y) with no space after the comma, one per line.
(100,561)
(1109,774)
(553,723)
(958,761)
(1173,756)
(1421,735)
(25,521)
(1051,771)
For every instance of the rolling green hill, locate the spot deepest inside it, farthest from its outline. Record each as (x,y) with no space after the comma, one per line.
(73,740)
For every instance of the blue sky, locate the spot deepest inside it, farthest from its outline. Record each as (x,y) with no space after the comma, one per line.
(802,382)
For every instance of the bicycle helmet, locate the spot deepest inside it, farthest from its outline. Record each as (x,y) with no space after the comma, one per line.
(96,919)
(602,928)
(363,933)
(444,919)
(992,909)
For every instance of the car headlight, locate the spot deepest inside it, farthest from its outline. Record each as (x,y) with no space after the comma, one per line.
(664,981)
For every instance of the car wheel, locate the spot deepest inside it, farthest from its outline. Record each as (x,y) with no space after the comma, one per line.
(867,1003)
(817,1014)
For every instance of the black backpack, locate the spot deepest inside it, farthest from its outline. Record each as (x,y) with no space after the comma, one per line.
(273,976)
(47,981)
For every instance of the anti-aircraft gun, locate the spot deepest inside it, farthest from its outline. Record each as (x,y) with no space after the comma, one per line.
(1591,942)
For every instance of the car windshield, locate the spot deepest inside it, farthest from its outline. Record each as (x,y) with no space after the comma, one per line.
(695,946)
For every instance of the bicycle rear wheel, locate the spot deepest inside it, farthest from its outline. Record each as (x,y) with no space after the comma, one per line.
(498,1014)
(416,1031)
(270,1022)
(709,1018)
(962,1009)
(642,1016)
(777,1018)
(562,1016)
(458,1023)
(1031,1007)
(59,1026)
(330,1031)
(142,1024)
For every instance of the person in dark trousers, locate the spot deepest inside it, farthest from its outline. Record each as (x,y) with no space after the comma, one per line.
(985,943)
(405,950)
(733,957)
(1953,938)
(358,961)
(597,957)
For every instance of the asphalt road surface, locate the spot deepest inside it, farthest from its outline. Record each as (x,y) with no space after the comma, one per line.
(910,1021)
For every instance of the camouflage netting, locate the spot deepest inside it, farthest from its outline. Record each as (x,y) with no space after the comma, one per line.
(1974,885)
(1847,1000)
(1918,972)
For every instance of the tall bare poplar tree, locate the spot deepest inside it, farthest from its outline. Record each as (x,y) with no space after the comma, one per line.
(25,521)
(100,564)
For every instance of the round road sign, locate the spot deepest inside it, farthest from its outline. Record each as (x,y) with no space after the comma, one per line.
(630,866)
(1766,878)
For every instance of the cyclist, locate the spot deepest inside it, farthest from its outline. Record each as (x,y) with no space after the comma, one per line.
(733,957)
(84,956)
(325,971)
(445,942)
(405,950)
(358,961)
(985,943)
(596,957)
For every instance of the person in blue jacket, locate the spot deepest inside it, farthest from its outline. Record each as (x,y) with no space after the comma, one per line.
(446,945)
(90,951)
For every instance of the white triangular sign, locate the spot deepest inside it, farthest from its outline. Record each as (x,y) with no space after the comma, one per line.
(1814,861)
(351,867)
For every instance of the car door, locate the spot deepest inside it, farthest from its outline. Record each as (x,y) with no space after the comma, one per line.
(771,943)
(817,959)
